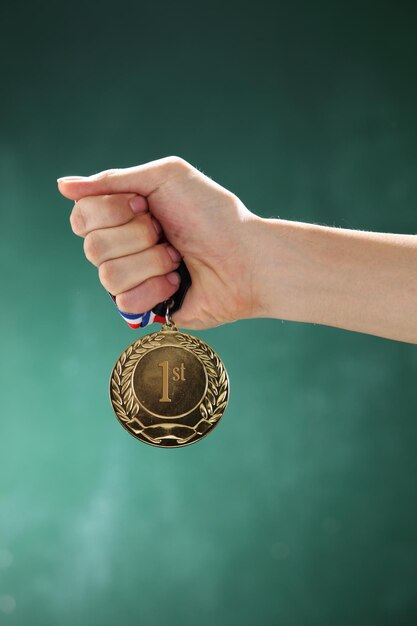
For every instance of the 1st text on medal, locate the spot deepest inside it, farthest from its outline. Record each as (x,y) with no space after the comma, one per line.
(178,374)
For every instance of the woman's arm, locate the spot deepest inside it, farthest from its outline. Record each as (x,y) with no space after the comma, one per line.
(241,265)
(360,281)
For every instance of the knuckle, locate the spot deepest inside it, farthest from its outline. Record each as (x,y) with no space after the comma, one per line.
(107,173)
(124,302)
(118,206)
(176,163)
(108,198)
(161,290)
(148,233)
(77,220)
(107,275)
(165,262)
(231,199)
(113,199)
(92,247)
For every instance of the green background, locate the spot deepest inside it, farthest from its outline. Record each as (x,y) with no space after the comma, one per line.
(300,508)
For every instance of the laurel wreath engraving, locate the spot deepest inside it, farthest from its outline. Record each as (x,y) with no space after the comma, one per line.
(215,400)
(126,405)
(122,390)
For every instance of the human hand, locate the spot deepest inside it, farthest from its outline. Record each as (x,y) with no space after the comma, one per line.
(206,225)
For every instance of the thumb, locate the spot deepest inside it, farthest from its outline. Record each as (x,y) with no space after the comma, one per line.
(140,179)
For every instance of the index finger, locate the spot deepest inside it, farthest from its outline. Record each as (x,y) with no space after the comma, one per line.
(96,212)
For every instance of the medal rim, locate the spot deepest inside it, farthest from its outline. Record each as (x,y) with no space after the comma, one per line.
(169,420)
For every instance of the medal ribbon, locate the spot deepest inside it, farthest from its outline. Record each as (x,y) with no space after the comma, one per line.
(157,314)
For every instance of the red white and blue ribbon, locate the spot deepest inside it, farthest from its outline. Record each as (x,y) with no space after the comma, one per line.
(139,320)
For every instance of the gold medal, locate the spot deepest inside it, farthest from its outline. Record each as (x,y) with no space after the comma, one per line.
(169,388)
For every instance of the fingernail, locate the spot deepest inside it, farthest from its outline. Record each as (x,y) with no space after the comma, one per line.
(138,204)
(174,278)
(70,178)
(174,254)
(157,226)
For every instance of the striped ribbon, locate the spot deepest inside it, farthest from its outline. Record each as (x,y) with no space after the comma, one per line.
(141,320)
(138,320)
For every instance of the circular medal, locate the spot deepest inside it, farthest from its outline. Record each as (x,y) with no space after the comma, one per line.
(169,388)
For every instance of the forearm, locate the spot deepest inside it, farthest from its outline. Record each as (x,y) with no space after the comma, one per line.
(360,281)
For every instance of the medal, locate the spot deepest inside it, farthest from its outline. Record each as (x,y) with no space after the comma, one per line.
(169,388)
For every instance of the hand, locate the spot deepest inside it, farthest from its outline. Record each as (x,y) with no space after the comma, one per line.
(121,213)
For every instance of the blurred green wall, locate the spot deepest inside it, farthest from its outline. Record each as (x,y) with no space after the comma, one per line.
(300,509)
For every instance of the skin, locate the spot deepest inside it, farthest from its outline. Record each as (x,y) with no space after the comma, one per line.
(241,265)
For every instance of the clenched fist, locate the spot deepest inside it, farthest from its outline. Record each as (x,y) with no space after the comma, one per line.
(139,222)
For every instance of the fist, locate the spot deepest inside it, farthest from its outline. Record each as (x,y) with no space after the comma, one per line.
(139,222)
(124,241)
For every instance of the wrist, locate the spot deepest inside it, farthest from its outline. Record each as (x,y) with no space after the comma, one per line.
(288,277)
